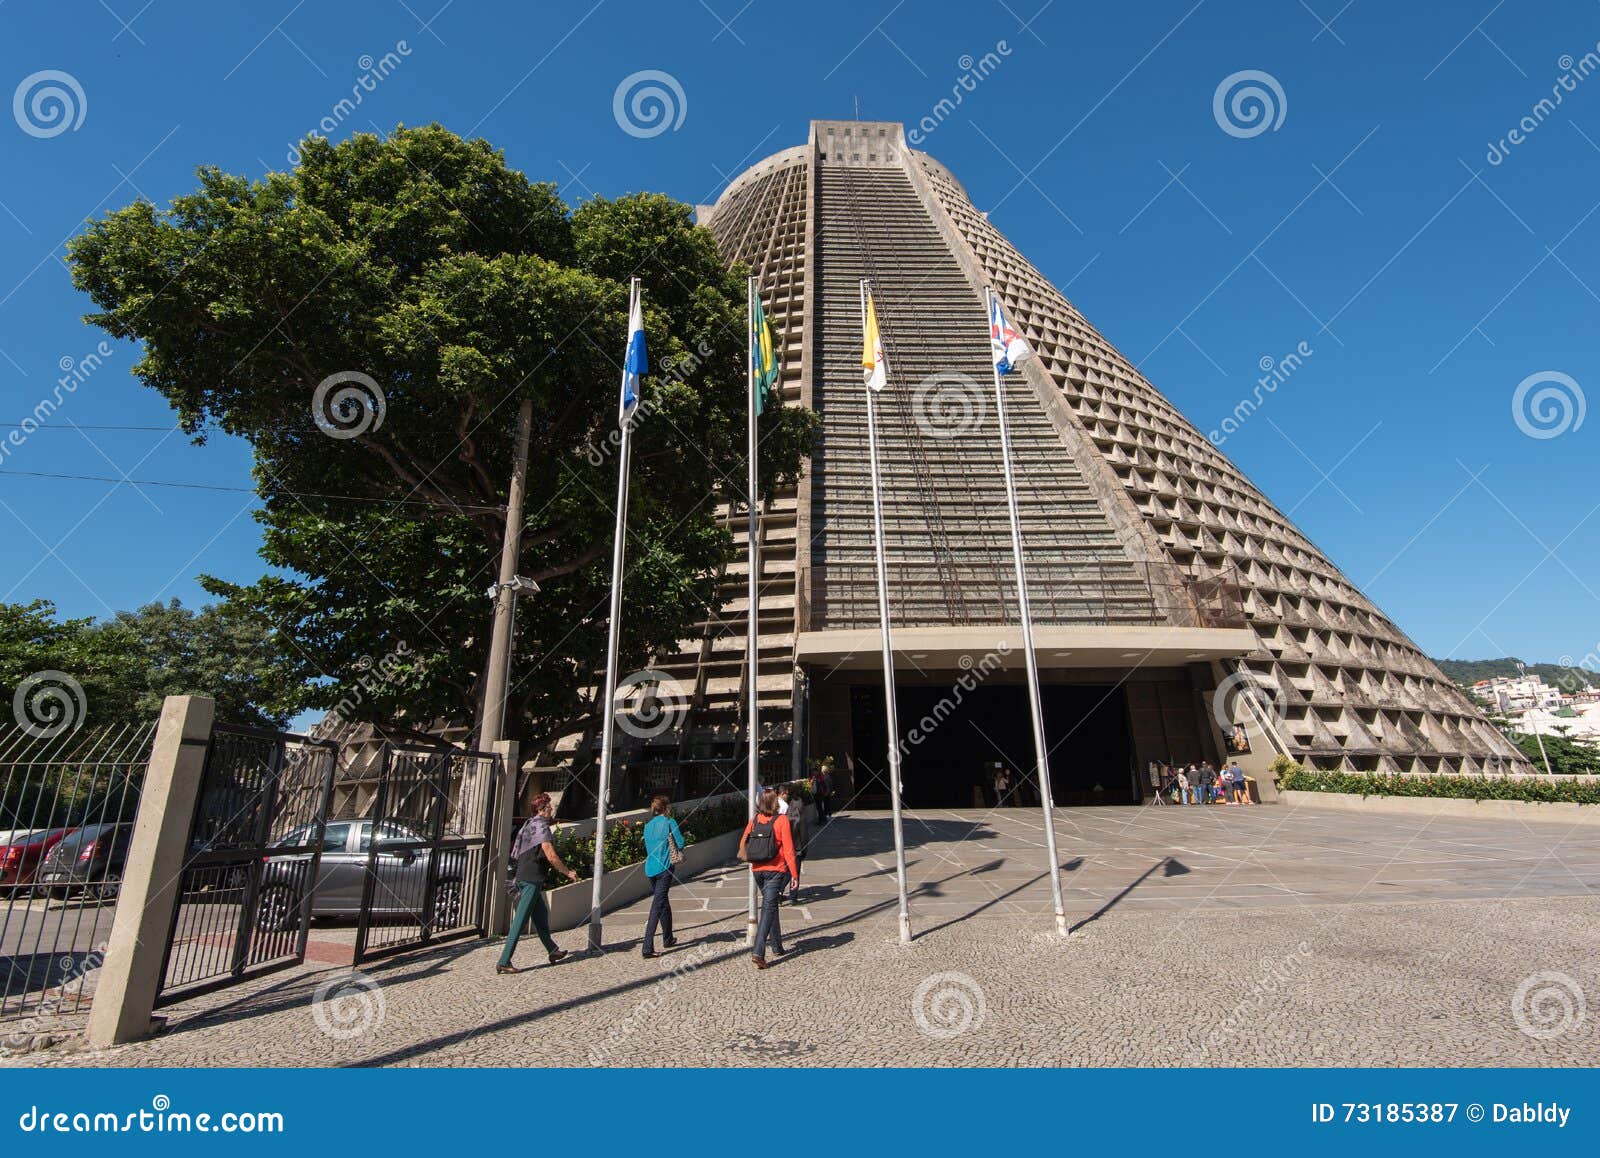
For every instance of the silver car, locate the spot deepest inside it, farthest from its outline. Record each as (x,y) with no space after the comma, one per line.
(399,887)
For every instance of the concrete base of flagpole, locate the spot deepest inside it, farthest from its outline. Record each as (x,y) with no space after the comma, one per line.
(750,928)
(594,937)
(905,929)
(1062,928)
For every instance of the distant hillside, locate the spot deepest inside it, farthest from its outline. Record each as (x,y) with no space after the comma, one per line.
(1467,672)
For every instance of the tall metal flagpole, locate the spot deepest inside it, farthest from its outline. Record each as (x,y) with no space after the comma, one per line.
(1041,753)
(753,651)
(608,707)
(893,721)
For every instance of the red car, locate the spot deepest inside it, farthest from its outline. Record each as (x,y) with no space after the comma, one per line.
(22,852)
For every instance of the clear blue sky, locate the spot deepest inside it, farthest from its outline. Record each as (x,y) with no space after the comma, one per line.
(1369,224)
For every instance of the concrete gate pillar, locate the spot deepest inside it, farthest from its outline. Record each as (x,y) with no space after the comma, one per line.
(498,844)
(130,978)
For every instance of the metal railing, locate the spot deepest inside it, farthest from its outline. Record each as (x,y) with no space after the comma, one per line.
(67,805)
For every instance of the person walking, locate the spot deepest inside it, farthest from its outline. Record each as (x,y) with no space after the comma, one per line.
(1241,790)
(768,846)
(794,809)
(1183,788)
(663,847)
(819,792)
(533,839)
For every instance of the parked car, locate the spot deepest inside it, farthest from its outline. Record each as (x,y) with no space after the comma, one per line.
(89,861)
(402,874)
(22,851)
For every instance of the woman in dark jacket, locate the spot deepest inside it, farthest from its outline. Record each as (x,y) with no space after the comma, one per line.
(534,839)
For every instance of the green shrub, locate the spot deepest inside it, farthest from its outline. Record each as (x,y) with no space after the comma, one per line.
(1459,787)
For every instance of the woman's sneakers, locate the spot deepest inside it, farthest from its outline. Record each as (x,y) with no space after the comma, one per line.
(558,955)
(669,942)
(761,962)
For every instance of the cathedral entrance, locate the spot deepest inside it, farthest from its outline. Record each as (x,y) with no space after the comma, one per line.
(951,751)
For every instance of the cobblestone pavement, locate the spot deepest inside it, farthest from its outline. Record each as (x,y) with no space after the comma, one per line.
(1222,935)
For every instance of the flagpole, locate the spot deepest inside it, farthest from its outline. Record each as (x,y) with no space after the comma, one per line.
(753,649)
(608,707)
(893,719)
(1041,753)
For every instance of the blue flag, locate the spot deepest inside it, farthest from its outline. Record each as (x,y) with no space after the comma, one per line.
(635,362)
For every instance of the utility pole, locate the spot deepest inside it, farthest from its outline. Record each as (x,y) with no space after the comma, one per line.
(498,676)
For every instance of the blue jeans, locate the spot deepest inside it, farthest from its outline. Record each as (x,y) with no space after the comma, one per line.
(530,903)
(660,911)
(769,931)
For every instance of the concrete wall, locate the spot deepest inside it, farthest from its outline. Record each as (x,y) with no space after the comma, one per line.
(1558,812)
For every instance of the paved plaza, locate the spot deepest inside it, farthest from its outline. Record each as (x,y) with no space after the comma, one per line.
(1202,936)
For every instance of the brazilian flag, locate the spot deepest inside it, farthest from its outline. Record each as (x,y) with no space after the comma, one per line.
(763,356)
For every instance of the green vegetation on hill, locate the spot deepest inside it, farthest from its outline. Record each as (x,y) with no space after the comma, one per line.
(1467,672)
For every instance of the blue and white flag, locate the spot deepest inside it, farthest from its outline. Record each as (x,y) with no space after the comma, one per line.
(635,363)
(1010,348)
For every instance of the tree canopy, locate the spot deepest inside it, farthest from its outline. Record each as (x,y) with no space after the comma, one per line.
(127,664)
(460,288)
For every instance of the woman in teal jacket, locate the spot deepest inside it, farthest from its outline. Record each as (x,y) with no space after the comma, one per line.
(661,835)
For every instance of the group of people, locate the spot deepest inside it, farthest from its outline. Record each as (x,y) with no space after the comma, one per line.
(771,844)
(1202,784)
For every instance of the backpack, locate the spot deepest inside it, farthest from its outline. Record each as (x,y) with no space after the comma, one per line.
(762,842)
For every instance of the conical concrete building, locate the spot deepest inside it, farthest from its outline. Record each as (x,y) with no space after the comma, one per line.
(1162,582)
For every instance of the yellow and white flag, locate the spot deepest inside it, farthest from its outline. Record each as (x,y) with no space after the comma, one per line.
(873,364)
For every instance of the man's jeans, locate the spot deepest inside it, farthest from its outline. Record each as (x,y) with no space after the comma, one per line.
(769,932)
(660,911)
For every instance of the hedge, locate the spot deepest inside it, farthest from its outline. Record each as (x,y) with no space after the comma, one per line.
(1459,787)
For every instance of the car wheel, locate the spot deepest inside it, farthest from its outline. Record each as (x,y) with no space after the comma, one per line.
(447,905)
(278,910)
(105,890)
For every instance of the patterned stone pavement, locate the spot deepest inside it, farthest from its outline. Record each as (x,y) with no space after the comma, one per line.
(1222,935)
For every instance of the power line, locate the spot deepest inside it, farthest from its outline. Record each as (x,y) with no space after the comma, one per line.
(141,482)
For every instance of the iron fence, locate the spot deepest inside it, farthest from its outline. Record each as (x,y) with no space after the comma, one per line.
(67,808)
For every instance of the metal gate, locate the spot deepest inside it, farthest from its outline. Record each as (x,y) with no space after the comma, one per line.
(255,847)
(427,854)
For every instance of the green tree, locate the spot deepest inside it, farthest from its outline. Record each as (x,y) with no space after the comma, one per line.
(126,665)
(461,288)
(1567,757)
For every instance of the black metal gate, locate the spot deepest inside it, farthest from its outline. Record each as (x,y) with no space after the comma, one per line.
(427,869)
(255,847)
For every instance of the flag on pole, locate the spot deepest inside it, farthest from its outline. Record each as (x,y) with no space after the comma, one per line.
(635,362)
(1010,348)
(873,363)
(763,355)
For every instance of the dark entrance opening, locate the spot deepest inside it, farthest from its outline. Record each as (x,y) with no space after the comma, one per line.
(949,750)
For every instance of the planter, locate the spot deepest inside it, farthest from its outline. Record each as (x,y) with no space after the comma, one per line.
(1562,812)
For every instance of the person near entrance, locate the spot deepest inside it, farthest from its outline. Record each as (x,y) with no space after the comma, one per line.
(1241,793)
(768,846)
(1184,795)
(662,839)
(1002,785)
(534,840)
(822,787)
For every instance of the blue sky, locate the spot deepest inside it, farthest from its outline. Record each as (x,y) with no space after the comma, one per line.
(1370,224)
